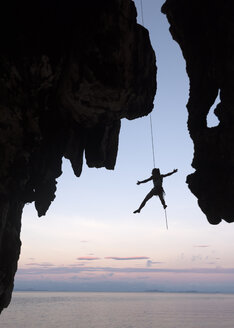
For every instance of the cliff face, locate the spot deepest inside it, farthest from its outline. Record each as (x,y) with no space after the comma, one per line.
(205,32)
(69,71)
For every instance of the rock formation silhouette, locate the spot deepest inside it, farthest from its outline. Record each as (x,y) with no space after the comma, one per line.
(69,72)
(204,30)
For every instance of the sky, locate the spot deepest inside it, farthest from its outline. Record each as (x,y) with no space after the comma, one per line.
(90,240)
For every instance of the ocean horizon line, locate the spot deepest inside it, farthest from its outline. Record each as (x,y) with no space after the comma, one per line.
(127,291)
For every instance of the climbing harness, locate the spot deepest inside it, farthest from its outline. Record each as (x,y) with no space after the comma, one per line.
(151,121)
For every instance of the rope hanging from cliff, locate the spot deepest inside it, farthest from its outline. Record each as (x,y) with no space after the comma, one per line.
(166,218)
(151,121)
(142,14)
(152,139)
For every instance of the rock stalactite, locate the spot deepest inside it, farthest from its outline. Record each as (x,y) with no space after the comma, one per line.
(204,30)
(69,72)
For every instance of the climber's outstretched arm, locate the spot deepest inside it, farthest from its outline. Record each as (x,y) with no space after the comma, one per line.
(144,181)
(170,173)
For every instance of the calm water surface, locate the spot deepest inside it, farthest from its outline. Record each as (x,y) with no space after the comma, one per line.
(118,310)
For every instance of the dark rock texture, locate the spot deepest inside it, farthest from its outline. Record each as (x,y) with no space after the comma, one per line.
(205,33)
(69,71)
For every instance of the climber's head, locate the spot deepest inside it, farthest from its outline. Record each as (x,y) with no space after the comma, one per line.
(155,171)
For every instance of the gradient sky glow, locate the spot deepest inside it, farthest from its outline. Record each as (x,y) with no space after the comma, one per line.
(91,240)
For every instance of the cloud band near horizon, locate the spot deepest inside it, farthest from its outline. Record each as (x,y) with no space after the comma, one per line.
(70,269)
(117,258)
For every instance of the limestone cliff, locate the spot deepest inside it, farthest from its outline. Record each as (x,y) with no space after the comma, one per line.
(69,72)
(205,32)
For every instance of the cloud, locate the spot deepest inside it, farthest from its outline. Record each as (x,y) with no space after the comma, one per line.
(181,256)
(88,258)
(74,278)
(200,258)
(127,258)
(142,278)
(74,270)
(201,246)
(196,258)
(43,264)
(149,263)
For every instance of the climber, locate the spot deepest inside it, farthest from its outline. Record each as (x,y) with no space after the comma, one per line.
(157,190)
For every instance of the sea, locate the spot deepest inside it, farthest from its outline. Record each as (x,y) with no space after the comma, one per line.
(118,310)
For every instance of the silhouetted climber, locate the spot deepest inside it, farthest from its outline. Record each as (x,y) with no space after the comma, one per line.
(157,190)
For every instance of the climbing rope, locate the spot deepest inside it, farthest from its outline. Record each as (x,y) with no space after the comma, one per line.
(166,218)
(142,14)
(151,121)
(152,139)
